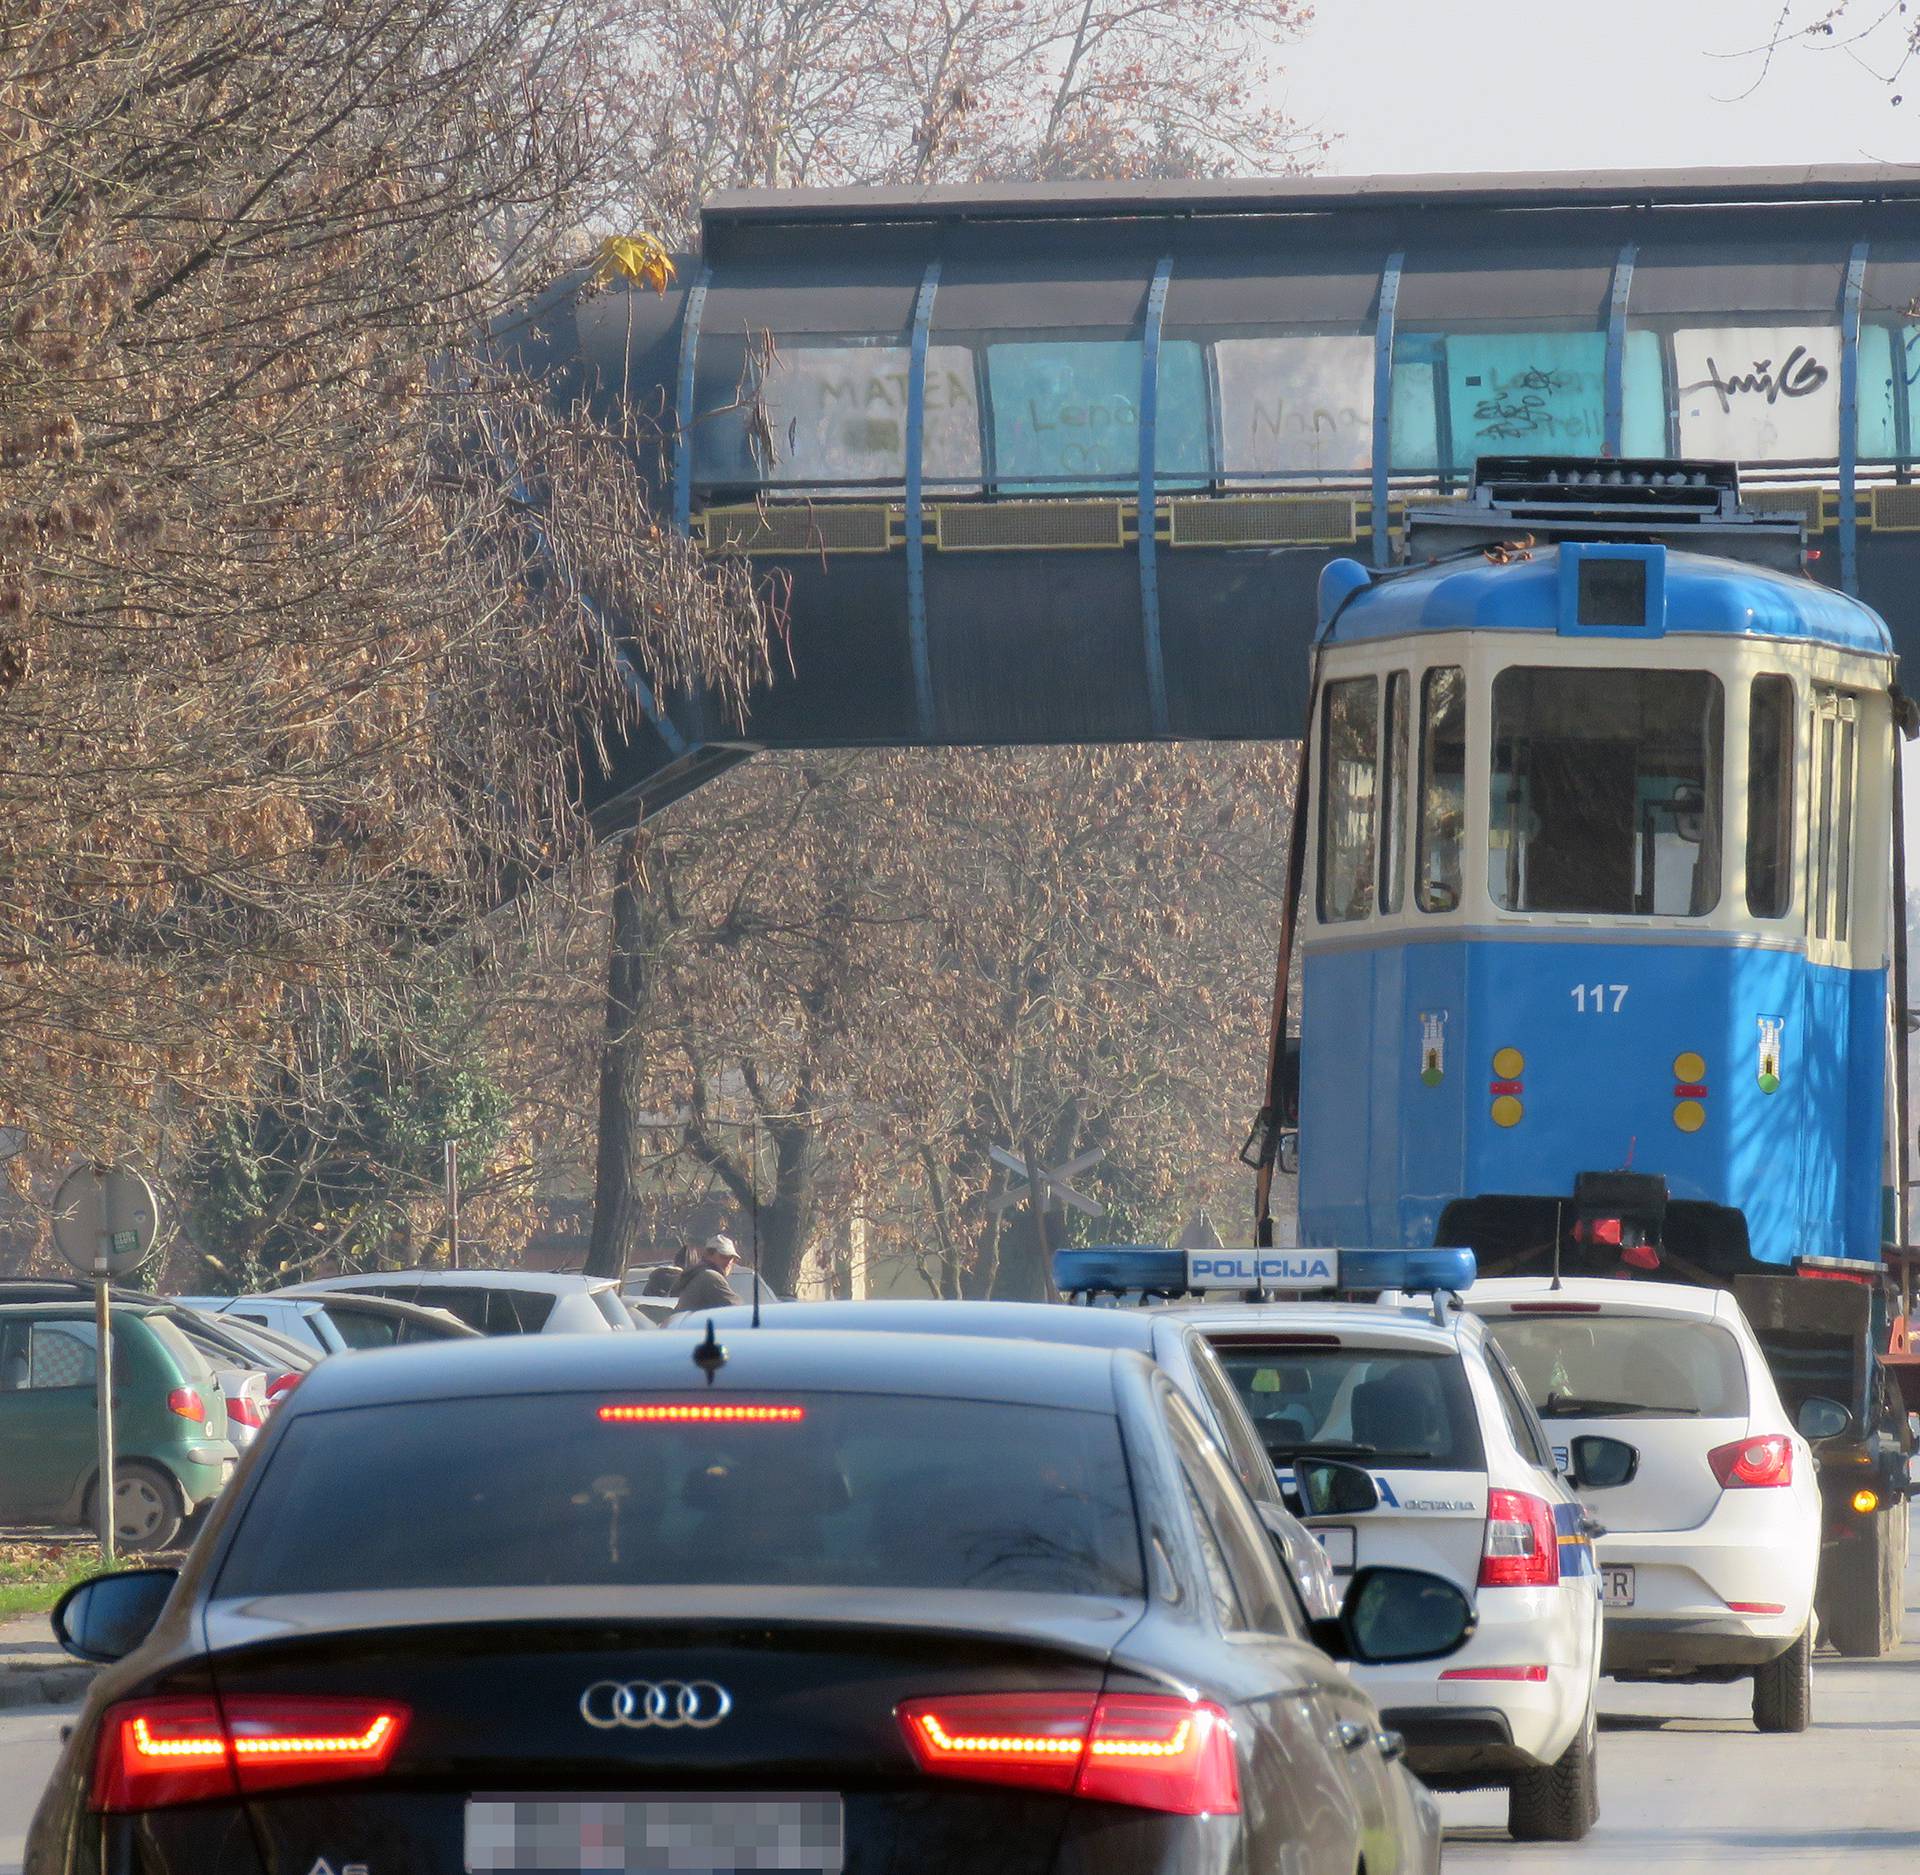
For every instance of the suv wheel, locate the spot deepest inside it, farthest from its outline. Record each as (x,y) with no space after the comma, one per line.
(148,1509)
(1783,1688)
(1559,1802)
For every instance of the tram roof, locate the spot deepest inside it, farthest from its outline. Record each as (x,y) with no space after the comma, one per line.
(1705,595)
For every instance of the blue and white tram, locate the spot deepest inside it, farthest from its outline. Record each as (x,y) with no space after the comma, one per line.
(1597,918)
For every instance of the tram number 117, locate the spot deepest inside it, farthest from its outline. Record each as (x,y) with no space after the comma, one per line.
(1598,999)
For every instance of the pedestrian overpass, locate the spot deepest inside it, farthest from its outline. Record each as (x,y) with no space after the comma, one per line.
(1063,464)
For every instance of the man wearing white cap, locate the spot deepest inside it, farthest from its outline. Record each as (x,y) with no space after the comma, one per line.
(705,1284)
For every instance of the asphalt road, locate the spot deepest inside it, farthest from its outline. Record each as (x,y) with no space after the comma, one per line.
(1686,1784)
(29,1743)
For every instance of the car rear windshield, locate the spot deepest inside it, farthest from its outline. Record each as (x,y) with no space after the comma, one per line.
(1624,1366)
(190,1361)
(831,1490)
(1392,1406)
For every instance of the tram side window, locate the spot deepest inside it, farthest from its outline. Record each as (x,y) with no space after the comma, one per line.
(1770,797)
(1606,792)
(1349,770)
(1443,787)
(1393,797)
(1831,858)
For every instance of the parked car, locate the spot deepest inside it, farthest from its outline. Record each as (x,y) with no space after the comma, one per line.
(242,1382)
(1712,1541)
(495,1302)
(885,1600)
(172,1452)
(1177,1348)
(337,1325)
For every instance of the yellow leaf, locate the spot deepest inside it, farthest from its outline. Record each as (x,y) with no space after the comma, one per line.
(638,257)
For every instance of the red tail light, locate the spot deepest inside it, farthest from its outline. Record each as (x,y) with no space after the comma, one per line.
(1522,1550)
(1751,1463)
(187,1403)
(242,1411)
(280,1386)
(1149,1750)
(154,1753)
(1527,1676)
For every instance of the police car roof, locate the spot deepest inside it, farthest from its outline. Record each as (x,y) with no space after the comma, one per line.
(1409,1322)
(1705,594)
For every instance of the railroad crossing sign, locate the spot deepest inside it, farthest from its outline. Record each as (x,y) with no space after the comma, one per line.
(1052,1182)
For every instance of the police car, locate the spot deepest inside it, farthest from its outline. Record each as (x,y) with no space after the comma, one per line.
(1408,1439)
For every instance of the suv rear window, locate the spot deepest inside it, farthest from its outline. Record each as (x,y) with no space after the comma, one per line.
(1403,1407)
(541,1492)
(1624,1366)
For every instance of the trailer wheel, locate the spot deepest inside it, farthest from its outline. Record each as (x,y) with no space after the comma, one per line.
(1862,1587)
(1783,1688)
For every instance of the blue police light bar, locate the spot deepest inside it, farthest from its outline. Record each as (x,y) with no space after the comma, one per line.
(1154,1270)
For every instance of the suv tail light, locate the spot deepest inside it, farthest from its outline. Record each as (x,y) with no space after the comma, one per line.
(1522,1550)
(280,1386)
(1149,1750)
(242,1411)
(187,1403)
(1750,1463)
(154,1753)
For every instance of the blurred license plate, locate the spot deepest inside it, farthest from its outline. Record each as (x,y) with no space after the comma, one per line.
(1338,1543)
(677,1835)
(1616,1585)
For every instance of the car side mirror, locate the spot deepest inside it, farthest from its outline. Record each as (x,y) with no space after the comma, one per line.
(1396,1616)
(1328,1488)
(106,1617)
(1598,1463)
(1821,1418)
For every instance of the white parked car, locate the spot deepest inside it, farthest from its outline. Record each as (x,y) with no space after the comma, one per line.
(1712,1545)
(496,1302)
(1446,1468)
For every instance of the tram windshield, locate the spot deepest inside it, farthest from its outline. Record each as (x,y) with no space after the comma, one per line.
(1606,792)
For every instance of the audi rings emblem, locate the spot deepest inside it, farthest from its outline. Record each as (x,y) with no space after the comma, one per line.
(665,1705)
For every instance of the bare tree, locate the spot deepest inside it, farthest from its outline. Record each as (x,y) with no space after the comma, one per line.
(301,588)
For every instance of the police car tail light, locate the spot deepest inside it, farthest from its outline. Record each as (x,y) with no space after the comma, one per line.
(1148,1750)
(1753,1463)
(1522,1549)
(154,1753)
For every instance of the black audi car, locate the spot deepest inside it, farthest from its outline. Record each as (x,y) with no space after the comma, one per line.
(892,1605)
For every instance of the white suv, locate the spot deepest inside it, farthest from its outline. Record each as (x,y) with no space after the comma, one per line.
(1712,1542)
(496,1302)
(1420,1401)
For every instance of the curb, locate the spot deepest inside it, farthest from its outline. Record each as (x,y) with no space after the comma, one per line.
(44,1686)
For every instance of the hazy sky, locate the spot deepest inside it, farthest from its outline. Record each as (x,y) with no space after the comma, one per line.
(1416,86)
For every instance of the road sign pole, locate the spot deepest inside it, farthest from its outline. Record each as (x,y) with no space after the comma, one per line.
(103,1390)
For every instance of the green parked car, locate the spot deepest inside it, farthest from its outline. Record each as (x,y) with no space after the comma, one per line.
(171,1451)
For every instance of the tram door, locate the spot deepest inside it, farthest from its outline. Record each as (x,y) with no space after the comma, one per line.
(1827,1014)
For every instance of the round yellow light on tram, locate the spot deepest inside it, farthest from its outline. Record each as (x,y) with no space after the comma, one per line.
(1508,1064)
(1689,1116)
(1866,1502)
(1690,1067)
(1507,1111)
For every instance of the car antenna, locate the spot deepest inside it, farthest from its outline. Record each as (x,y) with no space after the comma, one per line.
(1557,1209)
(708,1355)
(753,1206)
